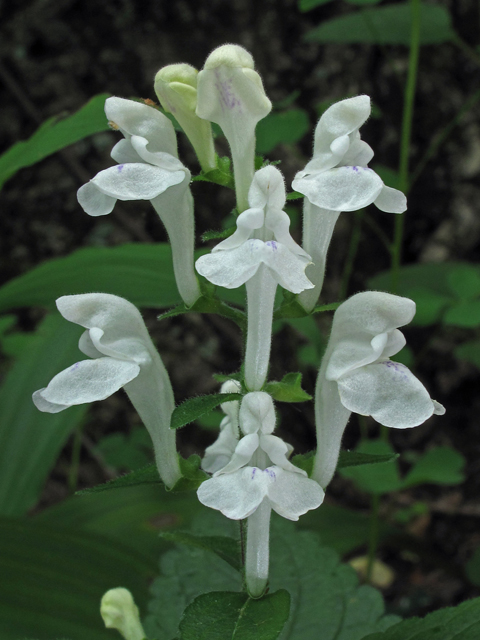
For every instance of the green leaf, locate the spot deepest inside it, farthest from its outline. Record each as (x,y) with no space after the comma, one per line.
(224,377)
(452,623)
(386,25)
(223,615)
(218,235)
(129,452)
(53,578)
(53,135)
(142,273)
(441,465)
(464,314)
(226,548)
(345,459)
(430,306)
(379,478)
(389,176)
(361,2)
(287,127)
(185,573)
(469,351)
(192,474)
(30,440)
(464,281)
(308,5)
(289,389)
(194,408)
(145,475)
(222,175)
(294,195)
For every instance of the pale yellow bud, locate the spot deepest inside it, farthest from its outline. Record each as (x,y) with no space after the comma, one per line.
(120,612)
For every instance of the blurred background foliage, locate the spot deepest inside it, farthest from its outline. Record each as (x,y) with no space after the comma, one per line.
(59,59)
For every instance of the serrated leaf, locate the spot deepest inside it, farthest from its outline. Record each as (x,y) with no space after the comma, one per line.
(289,389)
(192,474)
(223,615)
(30,440)
(53,135)
(194,408)
(226,548)
(145,475)
(224,377)
(469,351)
(285,127)
(464,281)
(465,313)
(440,465)
(452,623)
(218,235)
(386,25)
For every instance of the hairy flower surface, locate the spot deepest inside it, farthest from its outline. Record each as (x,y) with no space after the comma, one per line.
(262,237)
(358,376)
(121,354)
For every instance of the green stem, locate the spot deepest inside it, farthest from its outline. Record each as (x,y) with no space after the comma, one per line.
(72,480)
(352,253)
(406,136)
(373,536)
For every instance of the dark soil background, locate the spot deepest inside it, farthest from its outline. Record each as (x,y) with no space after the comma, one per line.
(56,54)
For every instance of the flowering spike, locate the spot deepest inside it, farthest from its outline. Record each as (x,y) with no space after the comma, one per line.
(231,93)
(176,88)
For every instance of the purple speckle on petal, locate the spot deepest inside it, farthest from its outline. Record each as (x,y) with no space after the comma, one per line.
(75,366)
(119,168)
(271,473)
(228,98)
(397,367)
(254,471)
(355,169)
(272,244)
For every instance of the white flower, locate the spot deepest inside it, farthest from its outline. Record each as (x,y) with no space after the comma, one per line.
(237,495)
(149,169)
(357,374)
(148,159)
(240,487)
(176,88)
(122,355)
(230,93)
(218,454)
(338,178)
(120,612)
(262,237)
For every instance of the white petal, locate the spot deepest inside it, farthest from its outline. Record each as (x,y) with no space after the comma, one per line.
(373,312)
(158,158)
(388,392)
(288,267)
(342,189)
(244,450)
(279,222)
(132,348)
(351,353)
(218,454)
(257,413)
(396,341)
(391,200)
(87,347)
(247,222)
(236,495)
(438,409)
(132,181)
(88,381)
(139,119)
(291,495)
(267,189)
(339,121)
(278,452)
(124,152)
(359,154)
(93,201)
(45,406)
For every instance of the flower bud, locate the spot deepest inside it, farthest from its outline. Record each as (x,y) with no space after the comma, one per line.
(231,93)
(120,612)
(176,88)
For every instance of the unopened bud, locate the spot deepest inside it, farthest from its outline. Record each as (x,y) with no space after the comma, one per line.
(120,612)
(176,88)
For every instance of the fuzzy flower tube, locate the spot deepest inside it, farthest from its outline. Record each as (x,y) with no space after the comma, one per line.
(121,354)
